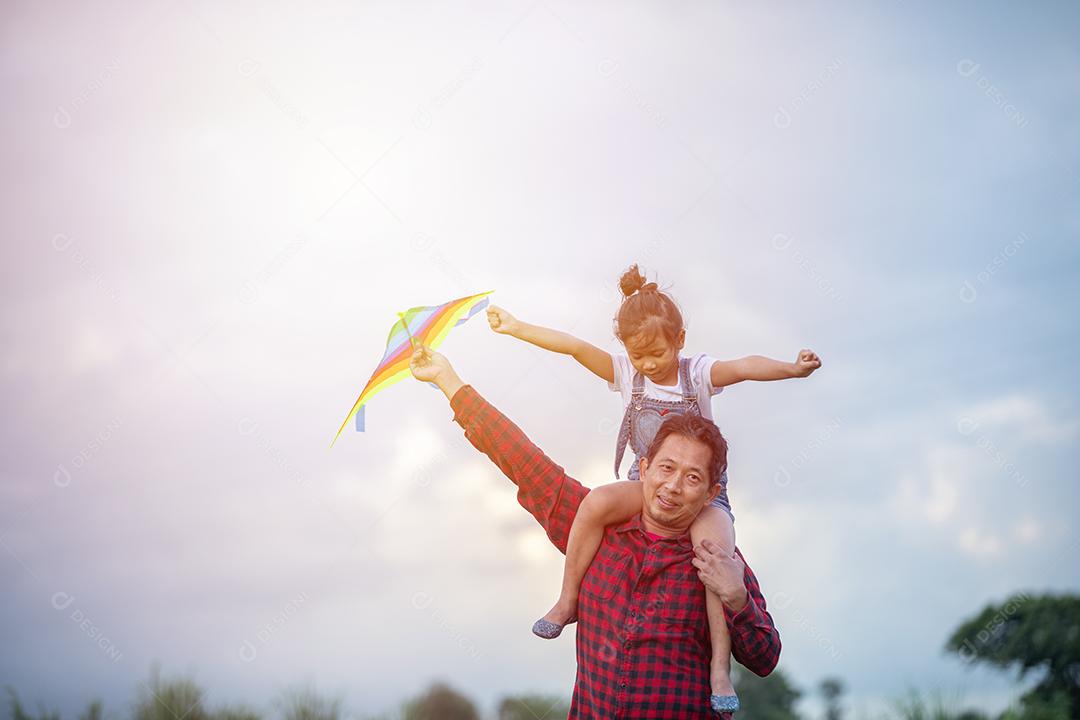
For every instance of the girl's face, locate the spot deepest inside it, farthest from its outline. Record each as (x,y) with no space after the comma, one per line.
(657,358)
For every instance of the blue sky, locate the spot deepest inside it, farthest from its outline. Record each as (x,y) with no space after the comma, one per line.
(212,213)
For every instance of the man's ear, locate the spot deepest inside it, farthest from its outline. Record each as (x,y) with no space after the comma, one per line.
(643,465)
(714,490)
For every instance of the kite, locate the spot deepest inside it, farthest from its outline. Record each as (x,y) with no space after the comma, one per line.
(419,325)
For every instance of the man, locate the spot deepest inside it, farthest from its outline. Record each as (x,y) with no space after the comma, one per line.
(643,647)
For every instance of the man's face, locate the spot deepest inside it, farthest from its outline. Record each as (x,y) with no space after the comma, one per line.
(676,484)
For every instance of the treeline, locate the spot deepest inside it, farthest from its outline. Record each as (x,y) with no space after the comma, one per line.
(770,698)
(181,698)
(1038,637)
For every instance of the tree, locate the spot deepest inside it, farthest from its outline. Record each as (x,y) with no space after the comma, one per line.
(169,699)
(307,704)
(18,712)
(1040,708)
(94,711)
(236,712)
(765,698)
(440,702)
(937,707)
(1034,635)
(832,689)
(533,707)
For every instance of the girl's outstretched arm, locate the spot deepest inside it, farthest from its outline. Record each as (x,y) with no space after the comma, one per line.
(758,367)
(592,357)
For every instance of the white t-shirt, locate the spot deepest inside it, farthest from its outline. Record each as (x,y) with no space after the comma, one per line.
(700,380)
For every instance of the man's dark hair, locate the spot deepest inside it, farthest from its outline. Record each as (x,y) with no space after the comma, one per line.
(697,428)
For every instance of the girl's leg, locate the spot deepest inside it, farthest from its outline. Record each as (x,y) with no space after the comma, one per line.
(604,505)
(715,524)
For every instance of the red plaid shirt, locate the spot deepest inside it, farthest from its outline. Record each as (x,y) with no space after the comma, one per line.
(643,646)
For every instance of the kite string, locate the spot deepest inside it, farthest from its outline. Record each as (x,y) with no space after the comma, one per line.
(405,324)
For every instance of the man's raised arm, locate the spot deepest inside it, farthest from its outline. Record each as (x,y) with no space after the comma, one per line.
(544,489)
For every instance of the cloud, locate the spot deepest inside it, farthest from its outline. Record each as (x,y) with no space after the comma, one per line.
(1023,415)
(1027,530)
(934,491)
(541,178)
(959,483)
(981,544)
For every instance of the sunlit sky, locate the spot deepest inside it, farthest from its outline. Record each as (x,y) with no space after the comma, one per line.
(213,211)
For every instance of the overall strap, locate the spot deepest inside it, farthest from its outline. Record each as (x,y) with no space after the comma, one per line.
(624,437)
(688,392)
(638,390)
(636,395)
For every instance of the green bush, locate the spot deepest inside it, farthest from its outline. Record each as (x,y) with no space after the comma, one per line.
(533,707)
(441,702)
(306,704)
(18,712)
(159,699)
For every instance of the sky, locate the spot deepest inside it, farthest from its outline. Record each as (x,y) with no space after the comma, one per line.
(212,213)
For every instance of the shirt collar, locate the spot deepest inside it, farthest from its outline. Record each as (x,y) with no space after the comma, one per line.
(634,523)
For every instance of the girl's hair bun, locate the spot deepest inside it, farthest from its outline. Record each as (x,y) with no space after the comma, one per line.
(632,280)
(645,308)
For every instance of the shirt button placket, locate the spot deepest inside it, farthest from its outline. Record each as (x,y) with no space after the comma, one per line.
(635,604)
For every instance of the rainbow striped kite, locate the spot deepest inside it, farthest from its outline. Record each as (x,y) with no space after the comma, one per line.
(424,325)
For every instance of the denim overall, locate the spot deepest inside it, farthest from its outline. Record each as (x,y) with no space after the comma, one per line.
(643,418)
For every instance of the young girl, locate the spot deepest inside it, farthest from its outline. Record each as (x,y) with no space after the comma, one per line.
(654,379)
